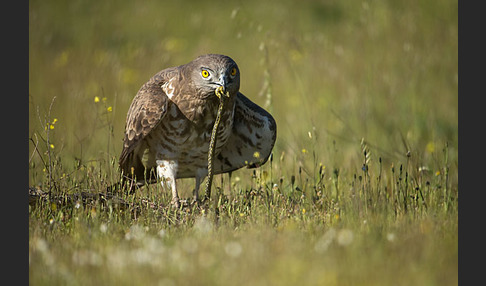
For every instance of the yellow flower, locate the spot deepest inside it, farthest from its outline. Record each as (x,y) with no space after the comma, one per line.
(430,148)
(52,146)
(51,126)
(303,211)
(109,109)
(104,99)
(304,150)
(96,99)
(256,154)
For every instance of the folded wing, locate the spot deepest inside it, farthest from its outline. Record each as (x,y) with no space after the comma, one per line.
(148,107)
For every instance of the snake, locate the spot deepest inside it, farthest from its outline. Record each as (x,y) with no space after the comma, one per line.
(212,144)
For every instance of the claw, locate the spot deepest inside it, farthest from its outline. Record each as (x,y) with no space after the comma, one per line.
(176,203)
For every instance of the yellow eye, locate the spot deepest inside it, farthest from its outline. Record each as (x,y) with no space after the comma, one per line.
(233,72)
(204,73)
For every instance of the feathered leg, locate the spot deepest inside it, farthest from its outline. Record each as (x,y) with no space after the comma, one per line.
(167,171)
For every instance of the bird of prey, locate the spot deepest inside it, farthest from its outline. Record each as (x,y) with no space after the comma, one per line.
(169,123)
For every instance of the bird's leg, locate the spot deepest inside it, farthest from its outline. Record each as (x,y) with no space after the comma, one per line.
(200,174)
(195,193)
(167,170)
(229,181)
(175,196)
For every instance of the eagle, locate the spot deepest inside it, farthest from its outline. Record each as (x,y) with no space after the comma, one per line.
(169,123)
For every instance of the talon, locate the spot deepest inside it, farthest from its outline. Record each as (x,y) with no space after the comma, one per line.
(196,202)
(175,202)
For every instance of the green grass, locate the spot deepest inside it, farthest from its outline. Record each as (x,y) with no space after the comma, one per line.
(363,185)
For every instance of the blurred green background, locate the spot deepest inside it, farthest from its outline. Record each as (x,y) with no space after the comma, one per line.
(330,72)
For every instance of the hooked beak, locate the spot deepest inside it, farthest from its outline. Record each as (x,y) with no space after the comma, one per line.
(221,89)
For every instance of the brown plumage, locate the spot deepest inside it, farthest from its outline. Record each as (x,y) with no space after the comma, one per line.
(169,125)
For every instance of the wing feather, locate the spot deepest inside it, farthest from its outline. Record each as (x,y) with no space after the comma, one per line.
(252,139)
(148,107)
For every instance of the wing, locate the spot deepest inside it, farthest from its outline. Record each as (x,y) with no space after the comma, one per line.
(252,140)
(148,107)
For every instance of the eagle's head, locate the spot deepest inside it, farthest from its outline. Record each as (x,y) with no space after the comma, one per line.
(211,72)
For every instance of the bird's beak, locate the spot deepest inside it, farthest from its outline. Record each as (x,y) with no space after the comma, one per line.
(221,89)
